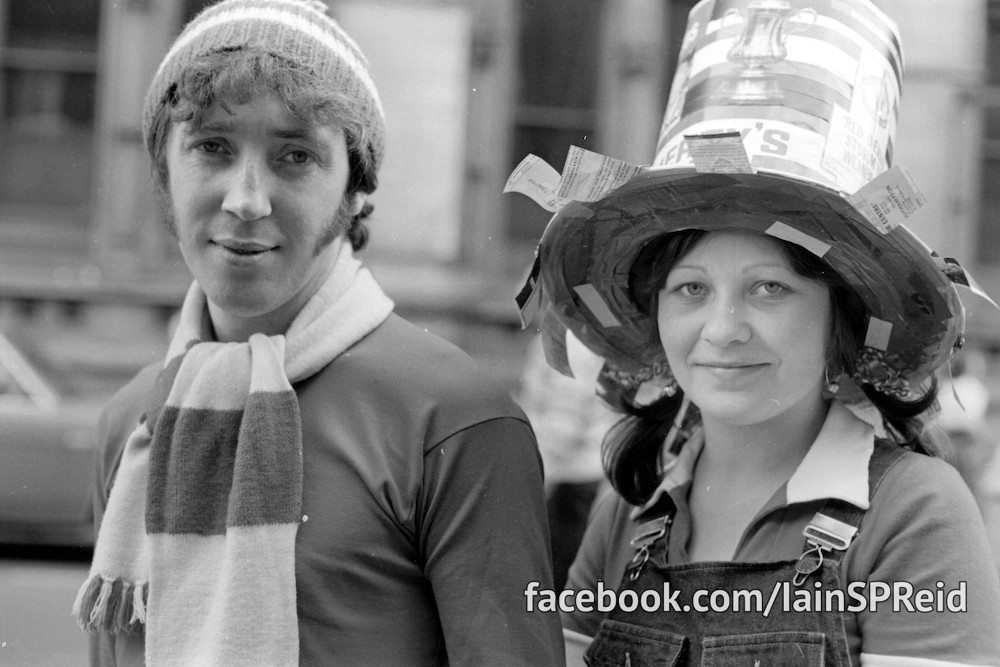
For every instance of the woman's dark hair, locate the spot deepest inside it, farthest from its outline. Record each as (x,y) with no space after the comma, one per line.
(631,448)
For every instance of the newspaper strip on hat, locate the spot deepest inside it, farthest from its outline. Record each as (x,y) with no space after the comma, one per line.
(781,120)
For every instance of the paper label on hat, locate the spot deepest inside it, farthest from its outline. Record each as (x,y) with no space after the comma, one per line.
(722,153)
(529,298)
(787,233)
(849,152)
(958,275)
(889,200)
(554,334)
(772,145)
(586,176)
(859,135)
(537,179)
(878,334)
(592,299)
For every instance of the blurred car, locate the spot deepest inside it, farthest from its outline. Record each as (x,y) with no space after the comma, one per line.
(47,442)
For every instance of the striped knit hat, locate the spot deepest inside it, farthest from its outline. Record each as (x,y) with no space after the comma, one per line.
(296,30)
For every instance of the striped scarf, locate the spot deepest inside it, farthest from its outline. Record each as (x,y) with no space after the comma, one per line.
(197,546)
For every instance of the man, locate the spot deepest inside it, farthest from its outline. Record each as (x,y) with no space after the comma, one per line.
(307,478)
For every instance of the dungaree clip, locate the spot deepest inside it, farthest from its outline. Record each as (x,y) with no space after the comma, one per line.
(679,635)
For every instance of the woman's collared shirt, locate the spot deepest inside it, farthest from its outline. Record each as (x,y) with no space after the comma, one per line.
(923,527)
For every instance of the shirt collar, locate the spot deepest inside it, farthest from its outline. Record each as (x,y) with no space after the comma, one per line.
(836,465)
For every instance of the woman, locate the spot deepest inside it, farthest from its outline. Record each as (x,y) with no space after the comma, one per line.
(751,327)
(778,499)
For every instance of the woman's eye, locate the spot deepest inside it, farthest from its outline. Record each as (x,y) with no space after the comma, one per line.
(691,289)
(772,287)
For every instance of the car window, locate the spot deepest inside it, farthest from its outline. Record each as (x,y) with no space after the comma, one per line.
(20,382)
(9,387)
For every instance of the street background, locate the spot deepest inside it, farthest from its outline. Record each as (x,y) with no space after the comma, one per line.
(90,279)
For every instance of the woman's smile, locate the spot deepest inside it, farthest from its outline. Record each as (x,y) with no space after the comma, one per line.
(745,336)
(733,376)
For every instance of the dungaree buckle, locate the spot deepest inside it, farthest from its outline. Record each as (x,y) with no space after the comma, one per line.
(646,535)
(829,533)
(824,533)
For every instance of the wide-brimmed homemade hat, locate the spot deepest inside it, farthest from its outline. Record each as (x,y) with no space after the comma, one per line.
(781,121)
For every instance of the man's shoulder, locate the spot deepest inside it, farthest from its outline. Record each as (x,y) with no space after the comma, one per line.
(419,359)
(396,330)
(122,412)
(417,372)
(134,394)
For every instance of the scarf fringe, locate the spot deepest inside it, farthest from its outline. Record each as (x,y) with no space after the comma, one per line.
(111,605)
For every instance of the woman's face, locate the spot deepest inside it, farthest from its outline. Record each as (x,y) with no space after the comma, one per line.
(744,334)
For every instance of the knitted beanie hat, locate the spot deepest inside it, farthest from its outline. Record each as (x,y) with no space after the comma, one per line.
(299,31)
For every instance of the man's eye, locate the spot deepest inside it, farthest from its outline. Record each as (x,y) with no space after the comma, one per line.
(296,157)
(211,147)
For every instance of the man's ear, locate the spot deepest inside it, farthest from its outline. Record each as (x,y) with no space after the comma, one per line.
(356,202)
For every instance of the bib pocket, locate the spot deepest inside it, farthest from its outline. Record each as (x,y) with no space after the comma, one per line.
(800,648)
(622,644)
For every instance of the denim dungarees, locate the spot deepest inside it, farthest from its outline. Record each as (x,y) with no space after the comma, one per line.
(748,638)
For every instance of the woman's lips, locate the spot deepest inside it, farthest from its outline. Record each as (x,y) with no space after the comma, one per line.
(731,369)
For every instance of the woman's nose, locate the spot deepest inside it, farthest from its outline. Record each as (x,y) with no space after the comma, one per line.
(726,323)
(247,193)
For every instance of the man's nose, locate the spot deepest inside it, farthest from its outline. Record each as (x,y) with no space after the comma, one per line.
(247,191)
(726,322)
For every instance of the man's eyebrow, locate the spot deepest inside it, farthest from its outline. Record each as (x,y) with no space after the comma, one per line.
(219,126)
(225,126)
(295,133)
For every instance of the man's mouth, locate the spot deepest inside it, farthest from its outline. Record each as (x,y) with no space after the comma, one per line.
(244,248)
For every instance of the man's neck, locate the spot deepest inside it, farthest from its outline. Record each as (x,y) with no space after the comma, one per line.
(228,328)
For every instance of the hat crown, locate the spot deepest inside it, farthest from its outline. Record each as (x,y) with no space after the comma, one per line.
(812,88)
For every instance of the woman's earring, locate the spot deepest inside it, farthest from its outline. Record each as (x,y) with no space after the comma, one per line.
(669,389)
(832,386)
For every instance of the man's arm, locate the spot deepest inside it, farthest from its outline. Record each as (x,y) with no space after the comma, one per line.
(106,457)
(117,420)
(484,537)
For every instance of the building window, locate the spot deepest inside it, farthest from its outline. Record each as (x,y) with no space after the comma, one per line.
(560,52)
(988,247)
(559,47)
(48,78)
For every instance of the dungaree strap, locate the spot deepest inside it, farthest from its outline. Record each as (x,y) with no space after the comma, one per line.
(828,534)
(832,529)
(654,526)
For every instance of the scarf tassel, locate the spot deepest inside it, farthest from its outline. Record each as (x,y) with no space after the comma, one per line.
(111,605)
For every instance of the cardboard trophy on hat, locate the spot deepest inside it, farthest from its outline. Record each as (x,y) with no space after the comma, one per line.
(781,119)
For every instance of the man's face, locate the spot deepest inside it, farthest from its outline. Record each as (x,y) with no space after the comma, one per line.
(258,202)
